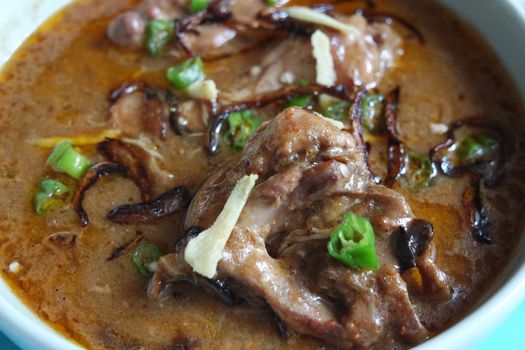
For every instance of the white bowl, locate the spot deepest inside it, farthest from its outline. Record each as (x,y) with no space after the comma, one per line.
(501,23)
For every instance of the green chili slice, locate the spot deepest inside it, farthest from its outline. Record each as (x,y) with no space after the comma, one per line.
(186,73)
(66,159)
(271,2)
(158,33)
(199,5)
(337,110)
(300,101)
(420,171)
(333,107)
(241,125)
(476,147)
(143,255)
(372,112)
(50,195)
(353,243)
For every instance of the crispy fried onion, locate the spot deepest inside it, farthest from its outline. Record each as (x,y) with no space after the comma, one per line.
(123,159)
(121,249)
(356,127)
(149,212)
(63,237)
(396,151)
(94,173)
(490,170)
(129,161)
(134,160)
(475,214)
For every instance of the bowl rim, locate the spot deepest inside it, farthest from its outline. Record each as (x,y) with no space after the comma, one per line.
(25,328)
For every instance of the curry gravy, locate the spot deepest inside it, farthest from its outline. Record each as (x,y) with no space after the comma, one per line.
(58,83)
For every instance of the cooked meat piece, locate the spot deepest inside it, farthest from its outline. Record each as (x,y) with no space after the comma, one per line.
(127,113)
(164,9)
(372,301)
(246,10)
(310,174)
(140,108)
(127,29)
(364,59)
(215,40)
(359,61)
(134,160)
(208,37)
(284,64)
(274,65)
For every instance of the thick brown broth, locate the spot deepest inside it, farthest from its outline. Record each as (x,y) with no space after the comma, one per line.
(58,83)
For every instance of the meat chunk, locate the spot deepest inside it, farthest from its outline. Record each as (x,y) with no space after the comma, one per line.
(164,9)
(247,10)
(360,60)
(127,29)
(208,37)
(310,174)
(272,66)
(364,59)
(140,108)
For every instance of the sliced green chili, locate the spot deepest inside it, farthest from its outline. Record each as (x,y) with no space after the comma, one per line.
(158,33)
(300,101)
(353,243)
(186,73)
(199,5)
(271,2)
(143,255)
(66,159)
(476,147)
(241,126)
(420,171)
(50,196)
(372,112)
(337,110)
(333,107)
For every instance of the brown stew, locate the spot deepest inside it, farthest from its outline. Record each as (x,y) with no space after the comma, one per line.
(421,140)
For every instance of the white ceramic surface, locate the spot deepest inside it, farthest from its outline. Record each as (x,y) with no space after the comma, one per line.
(501,22)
